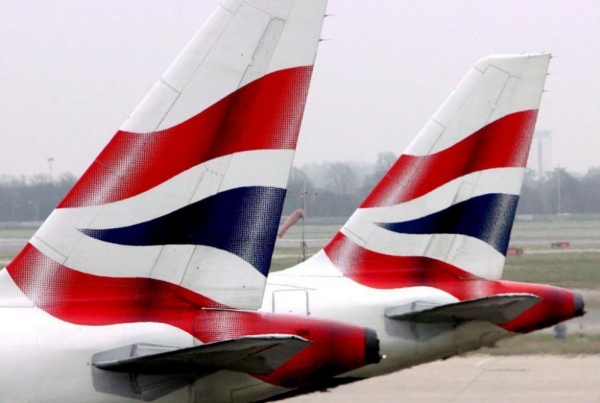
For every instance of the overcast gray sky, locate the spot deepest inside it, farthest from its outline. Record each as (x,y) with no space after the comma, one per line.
(73,70)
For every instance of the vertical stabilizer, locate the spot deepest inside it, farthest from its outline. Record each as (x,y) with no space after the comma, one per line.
(184,202)
(448,203)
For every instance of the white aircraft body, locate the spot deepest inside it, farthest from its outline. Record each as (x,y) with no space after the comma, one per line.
(149,280)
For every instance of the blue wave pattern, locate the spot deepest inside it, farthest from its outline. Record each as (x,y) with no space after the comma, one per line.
(488,217)
(242,221)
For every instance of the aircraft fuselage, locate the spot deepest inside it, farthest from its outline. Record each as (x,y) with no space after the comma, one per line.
(48,360)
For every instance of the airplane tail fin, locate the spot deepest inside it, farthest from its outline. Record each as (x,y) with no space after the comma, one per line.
(449,201)
(186,198)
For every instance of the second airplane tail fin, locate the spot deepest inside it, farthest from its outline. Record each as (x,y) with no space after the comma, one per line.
(449,201)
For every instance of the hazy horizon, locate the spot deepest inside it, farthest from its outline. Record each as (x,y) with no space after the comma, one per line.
(73,71)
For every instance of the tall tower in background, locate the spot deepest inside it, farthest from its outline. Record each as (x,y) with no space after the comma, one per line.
(540,154)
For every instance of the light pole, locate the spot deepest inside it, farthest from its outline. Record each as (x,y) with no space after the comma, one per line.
(558,201)
(303,244)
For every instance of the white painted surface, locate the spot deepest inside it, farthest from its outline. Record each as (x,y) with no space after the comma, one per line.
(497,86)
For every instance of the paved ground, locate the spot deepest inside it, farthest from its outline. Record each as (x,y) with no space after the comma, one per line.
(515,240)
(15,245)
(481,379)
(11,245)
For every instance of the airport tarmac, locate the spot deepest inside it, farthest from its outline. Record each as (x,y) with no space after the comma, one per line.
(16,244)
(321,242)
(13,245)
(478,379)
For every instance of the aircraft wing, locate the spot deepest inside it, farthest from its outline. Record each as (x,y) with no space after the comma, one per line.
(252,354)
(497,309)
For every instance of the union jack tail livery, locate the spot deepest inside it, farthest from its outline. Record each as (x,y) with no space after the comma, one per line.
(450,199)
(196,177)
(148,281)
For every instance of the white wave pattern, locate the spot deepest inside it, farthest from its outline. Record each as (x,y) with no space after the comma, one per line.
(467,253)
(495,87)
(191,266)
(256,42)
(243,41)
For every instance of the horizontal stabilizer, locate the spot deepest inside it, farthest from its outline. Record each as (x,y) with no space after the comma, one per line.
(148,371)
(252,354)
(498,309)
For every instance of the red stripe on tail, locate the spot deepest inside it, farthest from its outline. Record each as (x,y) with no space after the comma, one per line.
(377,270)
(501,144)
(265,114)
(87,299)
(381,271)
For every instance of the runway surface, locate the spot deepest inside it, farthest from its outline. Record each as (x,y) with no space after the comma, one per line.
(13,245)
(321,242)
(480,379)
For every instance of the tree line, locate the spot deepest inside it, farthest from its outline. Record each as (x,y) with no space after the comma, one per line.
(32,198)
(561,192)
(326,190)
(337,189)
